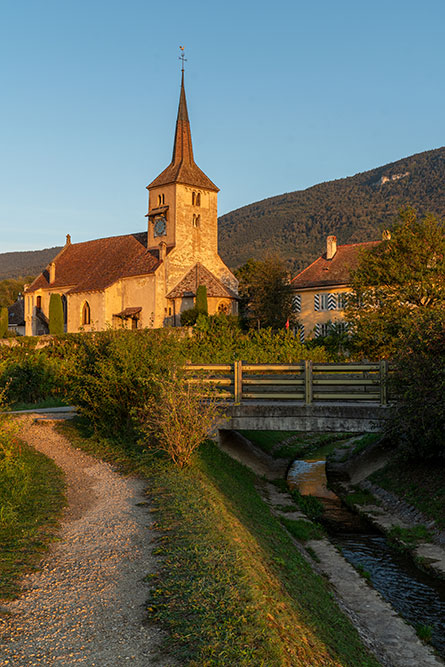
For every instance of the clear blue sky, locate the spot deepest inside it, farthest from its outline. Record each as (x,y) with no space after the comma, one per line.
(282,95)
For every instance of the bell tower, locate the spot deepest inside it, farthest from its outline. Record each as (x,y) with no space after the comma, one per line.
(182,203)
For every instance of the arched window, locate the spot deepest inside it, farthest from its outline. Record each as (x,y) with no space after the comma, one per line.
(196,220)
(86,313)
(198,199)
(161,200)
(223,308)
(193,198)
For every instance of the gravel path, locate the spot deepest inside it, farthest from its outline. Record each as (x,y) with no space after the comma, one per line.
(86,605)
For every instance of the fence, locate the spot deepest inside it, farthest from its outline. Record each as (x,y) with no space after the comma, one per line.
(305,381)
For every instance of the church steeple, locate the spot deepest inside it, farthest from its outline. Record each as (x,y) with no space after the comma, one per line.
(183,168)
(182,148)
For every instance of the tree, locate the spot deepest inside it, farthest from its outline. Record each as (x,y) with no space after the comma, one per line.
(265,297)
(201,300)
(56,319)
(417,381)
(3,321)
(395,281)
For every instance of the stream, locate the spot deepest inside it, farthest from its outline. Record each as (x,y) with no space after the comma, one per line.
(418,597)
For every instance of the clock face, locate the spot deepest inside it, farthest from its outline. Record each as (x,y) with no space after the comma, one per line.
(160,227)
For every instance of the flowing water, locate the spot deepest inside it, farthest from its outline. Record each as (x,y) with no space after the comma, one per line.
(417,597)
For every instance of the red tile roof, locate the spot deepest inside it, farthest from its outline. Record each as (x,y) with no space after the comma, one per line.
(95,265)
(183,168)
(326,272)
(199,275)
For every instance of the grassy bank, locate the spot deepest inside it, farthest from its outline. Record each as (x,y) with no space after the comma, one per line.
(31,499)
(232,589)
(421,484)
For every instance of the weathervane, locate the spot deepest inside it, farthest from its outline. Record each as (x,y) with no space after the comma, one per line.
(182,58)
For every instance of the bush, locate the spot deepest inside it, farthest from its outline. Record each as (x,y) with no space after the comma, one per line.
(56,319)
(180,417)
(115,373)
(189,317)
(30,378)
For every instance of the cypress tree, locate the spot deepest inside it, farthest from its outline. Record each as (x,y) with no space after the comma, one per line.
(56,324)
(3,321)
(201,300)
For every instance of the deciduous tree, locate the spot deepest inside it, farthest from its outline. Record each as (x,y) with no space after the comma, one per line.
(396,280)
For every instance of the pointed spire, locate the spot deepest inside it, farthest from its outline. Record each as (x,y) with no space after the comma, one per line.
(182,147)
(183,168)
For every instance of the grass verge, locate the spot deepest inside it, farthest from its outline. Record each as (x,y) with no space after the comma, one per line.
(420,484)
(232,589)
(31,500)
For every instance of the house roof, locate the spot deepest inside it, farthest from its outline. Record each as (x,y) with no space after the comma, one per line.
(183,168)
(199,275)
(95,265)
(326,272)
(16,313)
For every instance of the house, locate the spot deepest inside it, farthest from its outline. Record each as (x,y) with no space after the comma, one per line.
(321,289)
(16,317)
(148,278)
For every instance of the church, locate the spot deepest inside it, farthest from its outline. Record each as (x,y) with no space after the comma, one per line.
(149,278)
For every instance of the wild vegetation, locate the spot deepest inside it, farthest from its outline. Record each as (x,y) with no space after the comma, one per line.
(295,224)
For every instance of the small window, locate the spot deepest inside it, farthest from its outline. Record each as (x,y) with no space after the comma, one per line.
(161,200)
(196,220)
(193,198)
(198,199)
(86,313)
(324,301)
(342,301)
(39,303)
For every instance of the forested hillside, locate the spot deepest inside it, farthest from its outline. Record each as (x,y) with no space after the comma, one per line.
(28,263)
(355,209)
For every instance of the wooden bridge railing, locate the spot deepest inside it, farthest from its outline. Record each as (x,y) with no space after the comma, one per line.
(305,381)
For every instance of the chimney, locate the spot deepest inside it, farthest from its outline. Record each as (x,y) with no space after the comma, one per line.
(331,246)
(52,273)
(68,239)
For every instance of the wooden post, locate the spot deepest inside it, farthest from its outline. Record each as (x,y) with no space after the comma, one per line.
(238,381)
(308,382)
(383,382)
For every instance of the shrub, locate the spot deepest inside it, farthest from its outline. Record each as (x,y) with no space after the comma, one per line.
(189,317)
(29,378)
(56,319)
(180,417)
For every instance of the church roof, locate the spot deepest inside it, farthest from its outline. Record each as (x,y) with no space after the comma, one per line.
(183,168)
(95,265)
(336,271)
(197,276)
